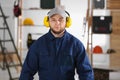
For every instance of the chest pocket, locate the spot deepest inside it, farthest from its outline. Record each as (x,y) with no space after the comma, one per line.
(44,60)
(67,64)
(66,59)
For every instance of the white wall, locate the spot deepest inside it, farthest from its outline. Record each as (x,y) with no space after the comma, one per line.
(7,7)
(77,10)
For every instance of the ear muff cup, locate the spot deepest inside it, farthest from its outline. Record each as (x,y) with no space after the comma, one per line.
(46,21)
(47,24)
(68,22)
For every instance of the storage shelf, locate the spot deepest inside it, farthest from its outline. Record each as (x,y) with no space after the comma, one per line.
(101,59)
(36,9)
(33,26)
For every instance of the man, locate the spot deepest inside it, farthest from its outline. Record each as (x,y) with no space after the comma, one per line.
(57,54)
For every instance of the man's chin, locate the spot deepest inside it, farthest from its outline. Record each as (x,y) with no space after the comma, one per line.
(57,32)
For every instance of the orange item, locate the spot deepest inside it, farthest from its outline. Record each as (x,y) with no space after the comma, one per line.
(97,49)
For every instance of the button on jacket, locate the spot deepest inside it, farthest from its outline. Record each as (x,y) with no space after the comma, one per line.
(56,59)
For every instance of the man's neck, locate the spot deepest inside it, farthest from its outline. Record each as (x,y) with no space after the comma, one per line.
(58,35)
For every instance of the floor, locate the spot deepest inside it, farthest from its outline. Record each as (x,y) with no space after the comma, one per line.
(114,76)
(5,76)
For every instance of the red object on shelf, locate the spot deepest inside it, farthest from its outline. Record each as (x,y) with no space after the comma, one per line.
(97,50)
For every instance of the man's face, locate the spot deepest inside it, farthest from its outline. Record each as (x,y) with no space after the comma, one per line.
(57,23)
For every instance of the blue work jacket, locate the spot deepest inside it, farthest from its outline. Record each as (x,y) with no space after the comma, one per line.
(56,59)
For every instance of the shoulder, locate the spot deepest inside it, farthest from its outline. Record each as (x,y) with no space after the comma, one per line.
(73,38)
(40,40)
(44,36)
(77,42)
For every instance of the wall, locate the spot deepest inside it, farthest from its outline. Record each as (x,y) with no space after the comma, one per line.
(76,10)
(7,8)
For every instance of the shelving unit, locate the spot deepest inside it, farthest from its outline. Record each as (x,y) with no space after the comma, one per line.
(105,63)
(113,9)
(101,39)
(37,15)
(95,39)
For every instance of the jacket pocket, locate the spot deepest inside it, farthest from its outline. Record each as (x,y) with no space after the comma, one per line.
(44,60)
(66,59)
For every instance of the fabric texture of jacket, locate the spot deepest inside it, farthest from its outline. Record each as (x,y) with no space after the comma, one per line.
(56,59)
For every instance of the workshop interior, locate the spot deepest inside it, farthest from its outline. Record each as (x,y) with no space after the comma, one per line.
(96,23)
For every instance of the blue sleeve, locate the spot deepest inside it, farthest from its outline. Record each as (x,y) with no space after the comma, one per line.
(84,68)
(30,65)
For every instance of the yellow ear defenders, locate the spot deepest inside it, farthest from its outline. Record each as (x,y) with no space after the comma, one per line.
(46,21)
(68,21)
